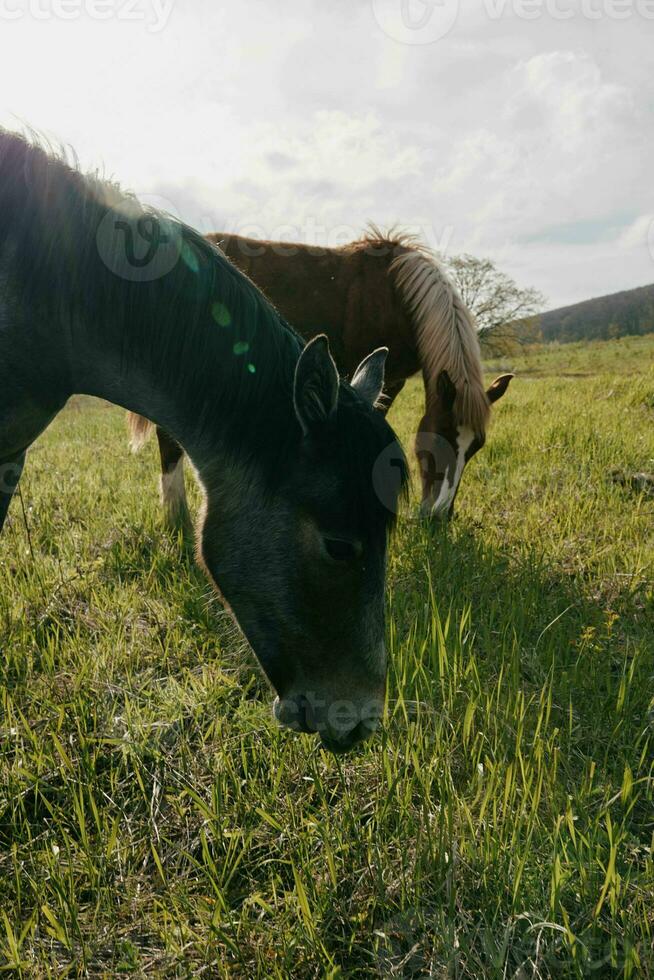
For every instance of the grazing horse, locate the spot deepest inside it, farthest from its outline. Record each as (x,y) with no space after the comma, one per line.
(381,290)
(100,296)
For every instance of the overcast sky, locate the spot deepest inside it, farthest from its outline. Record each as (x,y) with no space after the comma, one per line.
(515,129)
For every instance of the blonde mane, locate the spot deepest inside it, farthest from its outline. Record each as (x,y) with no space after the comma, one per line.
(446,334)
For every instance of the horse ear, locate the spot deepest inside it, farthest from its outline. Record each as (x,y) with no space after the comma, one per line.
(446,391)
(315,388)
(498,387)
(368,379)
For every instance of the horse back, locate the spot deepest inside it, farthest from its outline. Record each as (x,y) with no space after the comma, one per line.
(344,292)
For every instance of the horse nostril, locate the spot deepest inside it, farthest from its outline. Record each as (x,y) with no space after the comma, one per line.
(295,713)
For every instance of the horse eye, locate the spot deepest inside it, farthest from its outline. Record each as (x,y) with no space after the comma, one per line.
(340,550)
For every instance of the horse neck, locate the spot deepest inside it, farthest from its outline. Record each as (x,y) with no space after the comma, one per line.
(199,385)
(346,292)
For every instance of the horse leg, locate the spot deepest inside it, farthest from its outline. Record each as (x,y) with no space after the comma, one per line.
(10,471)
(173,491)
(390,394)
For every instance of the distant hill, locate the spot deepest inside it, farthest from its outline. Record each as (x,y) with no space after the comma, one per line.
(616,315)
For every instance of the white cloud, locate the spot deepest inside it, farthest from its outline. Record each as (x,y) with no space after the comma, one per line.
(528,141)
(637,233)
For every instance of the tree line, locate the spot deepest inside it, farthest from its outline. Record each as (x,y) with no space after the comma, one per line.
(510,316)
(630,312)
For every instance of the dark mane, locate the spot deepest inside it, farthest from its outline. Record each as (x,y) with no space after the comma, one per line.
(61,239)
(58,227)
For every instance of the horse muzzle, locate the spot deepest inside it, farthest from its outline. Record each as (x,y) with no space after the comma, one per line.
(341,724)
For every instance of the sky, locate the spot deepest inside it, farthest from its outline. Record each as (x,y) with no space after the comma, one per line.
(520,130)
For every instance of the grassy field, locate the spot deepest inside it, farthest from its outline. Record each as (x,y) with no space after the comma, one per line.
(155,822)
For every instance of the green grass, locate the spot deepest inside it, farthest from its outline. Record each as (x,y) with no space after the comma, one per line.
(155,822)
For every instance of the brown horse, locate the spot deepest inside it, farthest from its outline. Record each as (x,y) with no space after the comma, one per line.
(382,290)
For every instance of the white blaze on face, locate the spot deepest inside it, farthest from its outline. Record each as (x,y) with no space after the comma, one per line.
(453,474)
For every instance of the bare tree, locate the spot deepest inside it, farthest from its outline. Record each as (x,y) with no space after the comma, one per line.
(506,314)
